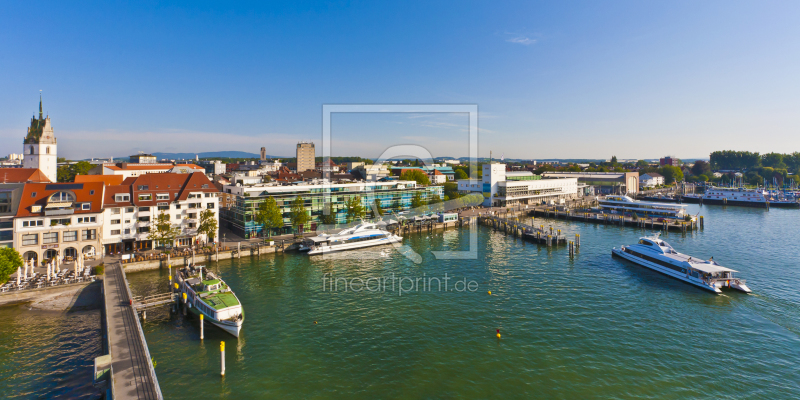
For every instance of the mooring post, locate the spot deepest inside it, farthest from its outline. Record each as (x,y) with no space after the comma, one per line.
(222,357)
(201,326)
(578,239)
(701,222)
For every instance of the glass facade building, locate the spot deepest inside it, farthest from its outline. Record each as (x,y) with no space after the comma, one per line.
(394,196)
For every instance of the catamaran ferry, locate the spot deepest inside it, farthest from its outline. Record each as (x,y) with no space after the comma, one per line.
(658,255)
(208,294)
(362,235)
(625,204)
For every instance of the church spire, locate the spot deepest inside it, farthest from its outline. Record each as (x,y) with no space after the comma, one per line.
(40,106)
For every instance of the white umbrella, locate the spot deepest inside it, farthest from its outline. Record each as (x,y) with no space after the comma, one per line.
(25,276)
(19,272)
(75,266)
(48,271)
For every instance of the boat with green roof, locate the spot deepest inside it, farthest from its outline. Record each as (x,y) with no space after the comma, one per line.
(207,294)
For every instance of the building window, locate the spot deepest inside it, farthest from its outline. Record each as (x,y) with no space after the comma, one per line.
(144,209)
(177,206)
(129,210)
(191,225)
(71,236)
(144,229)
(177,217)
(61,196)
(31,152)
(86,220)
(50,237)
(162,196)
(122,197)
(143,187)
(86,206)
(163,208)
(115,222)
(185,242)
(210,206)
(114,211)
(89,234)
(47,149)
(115,232)
(127,231)
(145,197)
(30,240)
(144,219)
(63,221)
(26,224)
(5,202)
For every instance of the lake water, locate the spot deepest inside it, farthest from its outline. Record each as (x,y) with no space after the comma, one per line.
(589,327)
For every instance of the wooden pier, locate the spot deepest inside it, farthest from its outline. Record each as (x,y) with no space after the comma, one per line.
(549,237)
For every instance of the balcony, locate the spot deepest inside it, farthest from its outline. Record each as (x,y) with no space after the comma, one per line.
(65,211)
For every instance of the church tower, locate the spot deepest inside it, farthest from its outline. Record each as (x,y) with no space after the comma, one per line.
(39,146)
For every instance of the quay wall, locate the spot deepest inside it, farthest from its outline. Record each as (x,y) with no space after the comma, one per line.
(21,296)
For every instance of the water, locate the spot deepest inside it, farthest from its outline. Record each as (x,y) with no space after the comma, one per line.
(592,327)
(47,354)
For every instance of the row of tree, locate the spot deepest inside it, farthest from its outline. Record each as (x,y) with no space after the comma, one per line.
(746,160)
(163,231)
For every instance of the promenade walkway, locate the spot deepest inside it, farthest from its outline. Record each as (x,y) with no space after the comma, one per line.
(133,373)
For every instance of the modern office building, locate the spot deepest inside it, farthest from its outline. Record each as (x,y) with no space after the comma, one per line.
(142,158)
(305,156)
(394,196)
(503,188)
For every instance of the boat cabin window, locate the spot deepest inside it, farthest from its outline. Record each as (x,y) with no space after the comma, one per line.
(647,242)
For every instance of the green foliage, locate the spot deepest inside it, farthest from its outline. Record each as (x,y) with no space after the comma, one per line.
(417,201)
(701,168)
(328,217)
(100,269)
(642,163)
(613,160)
(729,159)
(10,260)
(378,208)
(67,173)
(460,174)
(269,216)
(162,231)
(434,198)
(415,175)
(671,174)
(299,214)
(355,210)
(451,190)
(208,224)
(774,160)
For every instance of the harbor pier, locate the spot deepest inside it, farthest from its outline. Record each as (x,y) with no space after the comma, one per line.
(616,219)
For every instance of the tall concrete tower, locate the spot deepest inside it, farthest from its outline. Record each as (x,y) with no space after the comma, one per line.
(263,154)
(305,156)
(39,147)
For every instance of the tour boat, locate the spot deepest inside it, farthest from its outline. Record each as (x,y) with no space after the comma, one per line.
(625,204)
(741,197)
(360,236)
(208,294)
(658,255)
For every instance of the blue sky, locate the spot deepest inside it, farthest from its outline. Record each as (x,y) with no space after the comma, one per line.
(551,79)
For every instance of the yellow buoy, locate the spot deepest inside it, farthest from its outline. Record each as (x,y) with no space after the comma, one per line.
(315,322)
(490,293)
(498,336)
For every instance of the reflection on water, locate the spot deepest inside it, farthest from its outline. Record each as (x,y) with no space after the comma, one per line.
(45,354)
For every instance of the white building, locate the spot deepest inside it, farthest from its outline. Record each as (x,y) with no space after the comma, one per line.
(501,188)
(132,170)
(651,179)
(39,147)
(132,210)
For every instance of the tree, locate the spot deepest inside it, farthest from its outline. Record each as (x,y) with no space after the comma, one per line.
(451,190)
(460,174)
(415,175)
(378,209)
(269,216)
(162,231)
(671,174)
(642,164)
(417,201)
(67,173)
(299,214)
(774,160)
(10,260)
(328,217)
(355,210)
(701,168)
(613,160)
(208,225)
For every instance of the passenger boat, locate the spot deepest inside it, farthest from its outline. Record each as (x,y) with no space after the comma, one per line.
(207,294)
(360,236)
(658,255)
(627,205)
(740,196)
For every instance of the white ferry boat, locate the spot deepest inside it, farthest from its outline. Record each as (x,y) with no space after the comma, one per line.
(658,255)
(625,204)
(741,197)
(208,294)
(362,235)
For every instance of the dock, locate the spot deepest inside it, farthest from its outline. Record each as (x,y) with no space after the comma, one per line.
(616,219)
(527,232)
(132,373)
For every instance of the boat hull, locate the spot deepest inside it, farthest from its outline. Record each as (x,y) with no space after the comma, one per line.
(663,270)
(754,204)
(230,327)
(354,246)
